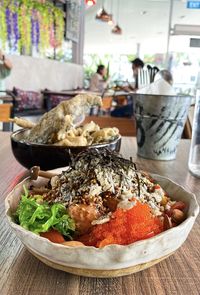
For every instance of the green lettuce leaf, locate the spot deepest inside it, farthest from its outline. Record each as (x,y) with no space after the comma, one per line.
(38,216)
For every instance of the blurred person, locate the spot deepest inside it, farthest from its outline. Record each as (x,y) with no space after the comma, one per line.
(98,83)
(5,70)
(166,75)
(127,110)
(136,65)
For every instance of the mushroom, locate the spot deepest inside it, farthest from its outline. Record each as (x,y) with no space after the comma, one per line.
(35,172)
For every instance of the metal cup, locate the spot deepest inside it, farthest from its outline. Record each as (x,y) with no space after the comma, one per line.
(160,120)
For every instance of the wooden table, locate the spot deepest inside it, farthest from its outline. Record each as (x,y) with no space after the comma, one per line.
(9,98)
(21,273)
(6,99)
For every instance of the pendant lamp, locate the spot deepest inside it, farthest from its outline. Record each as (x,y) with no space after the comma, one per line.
(117,29)
(103,16)
(111,22)
(90,2)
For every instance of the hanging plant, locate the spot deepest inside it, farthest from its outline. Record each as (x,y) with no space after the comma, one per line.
(3,28)
(25,29)
(25,24)
(8,24)
(43,15)
(32,31)
(59,27)
(15,30)
(37,37)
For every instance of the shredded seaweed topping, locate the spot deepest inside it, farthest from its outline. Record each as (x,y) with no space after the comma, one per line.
(94,172)
(103,157)
(138,179)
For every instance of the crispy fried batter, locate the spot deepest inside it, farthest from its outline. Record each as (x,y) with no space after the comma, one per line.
(53,124)
(22,122)
(73,141)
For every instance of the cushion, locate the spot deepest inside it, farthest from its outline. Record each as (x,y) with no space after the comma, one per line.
(29,100)
(56,99)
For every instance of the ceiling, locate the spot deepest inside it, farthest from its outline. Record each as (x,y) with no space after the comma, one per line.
(144,22)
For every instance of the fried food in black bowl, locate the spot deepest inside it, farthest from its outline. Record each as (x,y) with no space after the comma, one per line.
(57,137)
(50,156)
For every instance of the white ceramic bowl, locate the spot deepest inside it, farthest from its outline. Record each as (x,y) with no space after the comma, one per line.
(111,258)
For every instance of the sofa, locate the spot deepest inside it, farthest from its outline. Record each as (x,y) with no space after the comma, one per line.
(30,76)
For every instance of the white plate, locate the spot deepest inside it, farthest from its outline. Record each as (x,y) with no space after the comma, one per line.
(111,257)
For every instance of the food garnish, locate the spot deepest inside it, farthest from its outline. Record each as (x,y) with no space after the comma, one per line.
(54,236)
(100,199)
(36,215)
(125,227)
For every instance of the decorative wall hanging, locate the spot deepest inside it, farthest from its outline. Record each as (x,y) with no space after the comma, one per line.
(73,20)
(28,24)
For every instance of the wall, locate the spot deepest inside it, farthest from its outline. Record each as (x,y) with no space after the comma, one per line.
(30,73)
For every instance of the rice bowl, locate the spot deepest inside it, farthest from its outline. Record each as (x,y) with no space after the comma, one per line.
(113,258)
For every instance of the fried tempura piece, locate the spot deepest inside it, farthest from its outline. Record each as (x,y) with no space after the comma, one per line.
(22,122)
(73,141)
(54,124)
(105,134)
(90,127)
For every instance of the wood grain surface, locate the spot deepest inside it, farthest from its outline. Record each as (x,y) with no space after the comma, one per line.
(22,273)
(97,273)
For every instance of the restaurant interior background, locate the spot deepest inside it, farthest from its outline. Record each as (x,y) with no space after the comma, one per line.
(159,31)
(150,29)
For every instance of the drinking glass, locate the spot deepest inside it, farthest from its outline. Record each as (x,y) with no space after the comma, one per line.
(194,157)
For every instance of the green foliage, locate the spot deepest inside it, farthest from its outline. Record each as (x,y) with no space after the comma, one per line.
(155,60)
(131,57)
(47,15)
(38,216)
(3,29)
(93,60)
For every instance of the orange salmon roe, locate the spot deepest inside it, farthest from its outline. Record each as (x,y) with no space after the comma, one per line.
(125,227)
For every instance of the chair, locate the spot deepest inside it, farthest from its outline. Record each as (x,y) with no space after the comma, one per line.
(126,126)
(143,78)
(121,100)
(106,105)
(5,115)
(152,72)
(187,132)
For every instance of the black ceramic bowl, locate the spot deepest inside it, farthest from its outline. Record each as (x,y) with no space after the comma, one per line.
(49,156)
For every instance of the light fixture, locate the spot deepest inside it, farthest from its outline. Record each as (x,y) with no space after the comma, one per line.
(90,2)
(117,29)
(191,30)
(103,16)
(111,22)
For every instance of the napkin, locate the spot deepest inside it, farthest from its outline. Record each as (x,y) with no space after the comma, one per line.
(159,87)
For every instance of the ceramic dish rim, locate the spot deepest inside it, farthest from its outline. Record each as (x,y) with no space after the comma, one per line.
(115,246)
(23,142)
